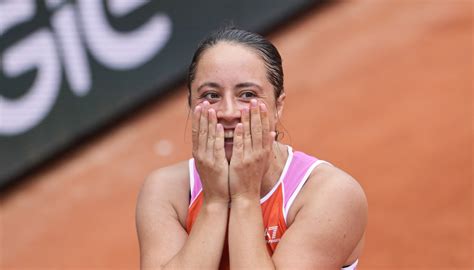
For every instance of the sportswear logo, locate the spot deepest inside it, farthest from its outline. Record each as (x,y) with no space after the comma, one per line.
(271,234)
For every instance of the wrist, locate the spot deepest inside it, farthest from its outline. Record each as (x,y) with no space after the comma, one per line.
(213,197)
(215,206)
(244,201)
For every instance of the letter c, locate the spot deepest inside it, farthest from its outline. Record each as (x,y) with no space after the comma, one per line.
(117,50)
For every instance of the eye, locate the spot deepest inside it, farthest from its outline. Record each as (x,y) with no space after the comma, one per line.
(247,94)
(210,96)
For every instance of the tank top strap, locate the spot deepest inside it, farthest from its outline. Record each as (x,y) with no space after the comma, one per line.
(298,172)
(194,181)
(353,266)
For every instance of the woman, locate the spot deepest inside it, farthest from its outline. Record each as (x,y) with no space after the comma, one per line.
(246,200)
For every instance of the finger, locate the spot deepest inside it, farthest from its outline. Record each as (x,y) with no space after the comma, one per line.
(265,126)
(271,139)
(238,147)
(203,126)
(195,127)
(219,150)
(247,138)
(255,125)
(211,131)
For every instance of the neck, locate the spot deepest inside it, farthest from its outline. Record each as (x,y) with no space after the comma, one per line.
(277,162)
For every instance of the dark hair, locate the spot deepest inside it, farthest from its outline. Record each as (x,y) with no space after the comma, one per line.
(262,46)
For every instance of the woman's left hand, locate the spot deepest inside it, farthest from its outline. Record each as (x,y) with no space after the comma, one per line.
(251,153)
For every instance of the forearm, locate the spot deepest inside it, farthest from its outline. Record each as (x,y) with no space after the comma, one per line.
(203,248)
(247,247)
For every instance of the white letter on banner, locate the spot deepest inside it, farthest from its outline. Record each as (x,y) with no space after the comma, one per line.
(122,50)
(123,7)
(35,51)
(74,56)
(14,12)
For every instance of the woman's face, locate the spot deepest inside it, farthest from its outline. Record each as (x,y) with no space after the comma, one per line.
(228,76)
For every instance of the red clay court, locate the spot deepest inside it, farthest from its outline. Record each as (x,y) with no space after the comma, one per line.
(382,89)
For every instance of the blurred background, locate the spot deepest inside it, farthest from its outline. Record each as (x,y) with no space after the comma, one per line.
(93,99)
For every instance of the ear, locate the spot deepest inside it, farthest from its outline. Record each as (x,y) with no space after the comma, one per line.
(189,98)
(280,102)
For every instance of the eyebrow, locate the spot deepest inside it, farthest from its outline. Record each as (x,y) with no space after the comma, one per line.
(209,84)
(248,84)
(239,85)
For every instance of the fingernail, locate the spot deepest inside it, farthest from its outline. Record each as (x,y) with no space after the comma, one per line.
(198,108)
(263,107)
(253,102)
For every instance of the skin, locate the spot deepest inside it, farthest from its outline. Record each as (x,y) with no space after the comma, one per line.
(326,222)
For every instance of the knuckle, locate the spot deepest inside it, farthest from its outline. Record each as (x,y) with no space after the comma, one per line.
(201,154)
(240,165)
(198,157)
(257,129)
(206,162)
(260,156)
(239,145)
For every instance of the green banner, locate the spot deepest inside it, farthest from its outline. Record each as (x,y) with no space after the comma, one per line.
(69,67)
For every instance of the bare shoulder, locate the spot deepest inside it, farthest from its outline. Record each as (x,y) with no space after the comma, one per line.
(167,185)
(167,181)
(161,213)
(326,221)
(332,189)
(174,176)
(337,201)
(172,173)
(330,180)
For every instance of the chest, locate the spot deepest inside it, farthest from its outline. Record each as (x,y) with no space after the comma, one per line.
(273,217)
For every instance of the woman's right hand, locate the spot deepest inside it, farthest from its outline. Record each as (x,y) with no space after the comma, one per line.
(209,153)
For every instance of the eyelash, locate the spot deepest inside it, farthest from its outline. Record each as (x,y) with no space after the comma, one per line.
(207,95)
(248,92)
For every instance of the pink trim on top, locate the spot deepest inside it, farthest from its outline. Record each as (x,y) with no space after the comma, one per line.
(282,176)
(353,266)
(297,169)
(194,181)
(296,172)
(300,186)
(196,185)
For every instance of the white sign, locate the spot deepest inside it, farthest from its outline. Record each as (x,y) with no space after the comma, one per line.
(75,30)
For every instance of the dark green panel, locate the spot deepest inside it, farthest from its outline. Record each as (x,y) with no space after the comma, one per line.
(113,89)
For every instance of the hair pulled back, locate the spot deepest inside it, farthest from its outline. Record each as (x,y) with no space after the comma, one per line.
(264,48)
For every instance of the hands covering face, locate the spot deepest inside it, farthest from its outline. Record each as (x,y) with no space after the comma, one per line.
(252,146)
